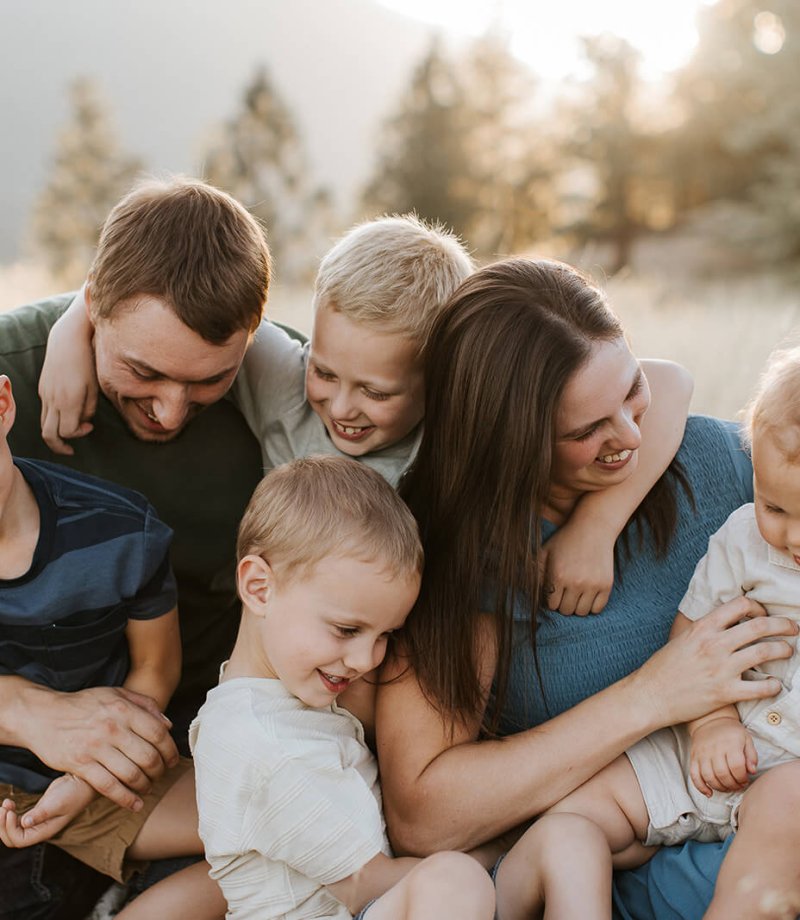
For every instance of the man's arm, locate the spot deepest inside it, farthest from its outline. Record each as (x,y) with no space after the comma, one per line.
(115,739)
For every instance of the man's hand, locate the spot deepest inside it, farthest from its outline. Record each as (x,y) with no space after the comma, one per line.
(114,739)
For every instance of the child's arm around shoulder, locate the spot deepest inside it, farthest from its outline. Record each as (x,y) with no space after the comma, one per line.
(580,556)
(67,383)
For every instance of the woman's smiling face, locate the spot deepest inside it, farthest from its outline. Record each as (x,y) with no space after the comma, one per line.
(597,424)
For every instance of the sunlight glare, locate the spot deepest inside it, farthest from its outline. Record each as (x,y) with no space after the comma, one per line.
(546,35)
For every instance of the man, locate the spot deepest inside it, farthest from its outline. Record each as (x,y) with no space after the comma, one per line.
(177,288)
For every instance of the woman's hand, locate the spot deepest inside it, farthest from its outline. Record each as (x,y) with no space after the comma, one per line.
(68,384)
(579,568)
(701,669)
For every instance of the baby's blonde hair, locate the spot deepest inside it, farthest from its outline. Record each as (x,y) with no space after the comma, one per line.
(396,272)
(775,407)
(315,507)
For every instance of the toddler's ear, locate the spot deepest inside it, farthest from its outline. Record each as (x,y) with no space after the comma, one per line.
(7,406)
(255,579)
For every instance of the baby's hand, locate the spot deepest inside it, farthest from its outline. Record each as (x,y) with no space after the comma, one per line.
(723,756)
(68,384)
(579,569)
(63,799)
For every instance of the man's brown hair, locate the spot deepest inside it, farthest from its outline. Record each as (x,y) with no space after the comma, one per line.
(193,246)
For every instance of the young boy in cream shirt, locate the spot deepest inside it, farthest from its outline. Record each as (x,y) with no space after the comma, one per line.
(287,789)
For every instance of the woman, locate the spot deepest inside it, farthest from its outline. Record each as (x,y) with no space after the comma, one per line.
(533,400)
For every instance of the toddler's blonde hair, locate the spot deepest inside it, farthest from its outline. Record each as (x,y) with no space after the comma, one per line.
(306,510)
(396,272)
(775,407)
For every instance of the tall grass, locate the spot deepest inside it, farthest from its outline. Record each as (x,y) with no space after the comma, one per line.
(722,330)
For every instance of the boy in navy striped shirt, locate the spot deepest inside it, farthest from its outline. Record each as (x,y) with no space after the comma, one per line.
(87,599)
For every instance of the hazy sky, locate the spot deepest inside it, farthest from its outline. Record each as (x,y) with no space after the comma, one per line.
(545,33)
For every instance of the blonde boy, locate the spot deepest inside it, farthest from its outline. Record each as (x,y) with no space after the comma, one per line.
(357,389)
(736,769)
(290,808)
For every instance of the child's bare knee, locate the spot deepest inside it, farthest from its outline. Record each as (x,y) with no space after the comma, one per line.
(453,872)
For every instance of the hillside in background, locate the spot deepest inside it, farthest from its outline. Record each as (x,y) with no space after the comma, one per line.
(172,70)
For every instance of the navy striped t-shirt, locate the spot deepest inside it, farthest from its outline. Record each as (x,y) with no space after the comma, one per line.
(101,559)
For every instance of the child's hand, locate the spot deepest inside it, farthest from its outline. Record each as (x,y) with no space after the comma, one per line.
(63,799)
(579,569)
(67,384)
(723,756)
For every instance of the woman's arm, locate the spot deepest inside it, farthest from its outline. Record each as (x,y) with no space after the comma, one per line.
(445,789)
(67,383)
(155,653)
(580,556)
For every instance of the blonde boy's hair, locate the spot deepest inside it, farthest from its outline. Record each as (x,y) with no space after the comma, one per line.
(315,507)
(395,272)
(192,245)
(775,407)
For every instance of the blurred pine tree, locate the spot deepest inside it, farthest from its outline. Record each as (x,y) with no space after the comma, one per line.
(258,157)
(90,173)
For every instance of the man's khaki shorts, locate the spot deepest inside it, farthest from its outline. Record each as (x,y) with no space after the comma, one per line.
(101,834)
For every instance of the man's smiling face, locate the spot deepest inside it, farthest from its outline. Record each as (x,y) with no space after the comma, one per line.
(159,373)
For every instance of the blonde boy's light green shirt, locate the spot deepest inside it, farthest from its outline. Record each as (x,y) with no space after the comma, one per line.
(270,391)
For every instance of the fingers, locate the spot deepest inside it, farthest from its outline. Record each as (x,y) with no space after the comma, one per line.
(755,689)
(36,815)
(570,601)
(754,655)
(72,421)
(600,601)
(151,745)
(13,834)
(730,613)
(145,702)
(50,432)
(107,784)
(750,755)
(732,772)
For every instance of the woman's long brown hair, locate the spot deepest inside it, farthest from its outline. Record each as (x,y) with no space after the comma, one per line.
(499,357)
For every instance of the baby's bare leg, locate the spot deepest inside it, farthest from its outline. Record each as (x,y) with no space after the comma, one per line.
(443,885)
(560,868)
(760,876)
(187,895)
(171,827)
(613,800)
